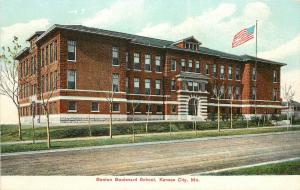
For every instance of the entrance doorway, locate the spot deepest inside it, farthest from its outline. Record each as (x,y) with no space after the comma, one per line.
(193,106)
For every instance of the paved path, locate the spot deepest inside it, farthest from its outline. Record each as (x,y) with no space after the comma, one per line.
(174,158)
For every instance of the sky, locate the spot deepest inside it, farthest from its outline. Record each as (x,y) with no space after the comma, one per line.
(212,22)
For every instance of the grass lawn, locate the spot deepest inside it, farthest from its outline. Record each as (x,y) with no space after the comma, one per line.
(10,132)
(139,138)
(285,168)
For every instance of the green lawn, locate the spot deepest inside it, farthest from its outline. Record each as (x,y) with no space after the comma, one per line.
(10,133)
(285,168)
(139,138)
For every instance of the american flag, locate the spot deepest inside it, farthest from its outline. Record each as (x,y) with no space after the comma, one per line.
(243,36)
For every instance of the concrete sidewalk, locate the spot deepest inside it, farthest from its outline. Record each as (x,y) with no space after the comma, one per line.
(142,134)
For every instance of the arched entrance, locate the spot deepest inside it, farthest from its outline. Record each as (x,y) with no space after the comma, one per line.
(193,106)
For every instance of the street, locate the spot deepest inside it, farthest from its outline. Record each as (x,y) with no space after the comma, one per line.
(179,158)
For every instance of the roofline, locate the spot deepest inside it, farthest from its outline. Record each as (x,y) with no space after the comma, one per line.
(251,58)
(21,53)
(242,57)
(34,34)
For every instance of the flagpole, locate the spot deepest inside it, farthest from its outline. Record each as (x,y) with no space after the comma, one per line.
(255,65)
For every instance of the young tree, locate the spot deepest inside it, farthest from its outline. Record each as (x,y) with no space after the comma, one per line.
(288,95)
(9,85)
(218,92)
(148,113)
(134,106)
(46,93)
(110,100)
(231,94)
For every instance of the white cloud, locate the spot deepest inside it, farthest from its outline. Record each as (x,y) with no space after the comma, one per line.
(21,30)
(76,12)
(215,26)
(290,48)
(118,12)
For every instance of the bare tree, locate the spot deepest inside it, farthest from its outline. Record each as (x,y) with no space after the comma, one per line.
(110,99)
(9,85)
(231,94)
(46,94)
(218,92)
(148,113)
(134,106)
(288,95)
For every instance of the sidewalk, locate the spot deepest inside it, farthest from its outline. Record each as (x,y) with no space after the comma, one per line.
(142,134)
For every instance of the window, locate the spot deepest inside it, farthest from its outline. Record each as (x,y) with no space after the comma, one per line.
(148,108)
(275,77)
(206,69)
(173,65)
(157,64)
(190,86)
(274,95)
(115,107)
(238,73)
(147,66)
(136,85)
(115,56)
(32,65)
(71,79)
(174,108)
(197,67)
(253,93)
(55,79)
(183,65)
(222,92)
(214,70)
(42,57)
(127,60)
(51,81)
(72,106)
(137,108)
(237,92)
(127,85)
(115,82)
(55,51)
(201,86)
(253,73)
(230,72)
(51,52)
(47,83)
(47,55)
(190,66)
(222,72)
(158,108)
(230,91)
(184,85)
(157,87)
(71,50)
(137,65)
(173,87)
(196,86)
(95,107)
(147,86)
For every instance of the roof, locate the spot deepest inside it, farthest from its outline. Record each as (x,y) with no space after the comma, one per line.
(188,38)
(22,52)
(147,41)
(252,58)
(37,33)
